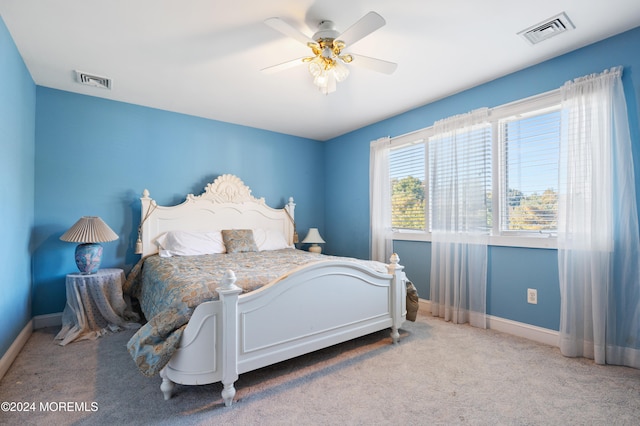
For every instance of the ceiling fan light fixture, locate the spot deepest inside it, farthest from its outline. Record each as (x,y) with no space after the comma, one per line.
(315,69)
(327,65)
(326,72)
(326,82)
(321,80)
(322,77)
(340,71)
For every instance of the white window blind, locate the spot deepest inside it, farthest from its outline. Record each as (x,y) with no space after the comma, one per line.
(506,178)
(460,180)
(529,179)
(407,174)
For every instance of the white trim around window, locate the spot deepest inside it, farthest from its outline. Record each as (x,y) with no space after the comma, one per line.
(542,241)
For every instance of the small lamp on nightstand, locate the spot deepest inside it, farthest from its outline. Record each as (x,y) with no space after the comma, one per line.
(89,231)
(313,238)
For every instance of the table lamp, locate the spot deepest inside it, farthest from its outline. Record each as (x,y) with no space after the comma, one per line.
(89,231)
(313,238)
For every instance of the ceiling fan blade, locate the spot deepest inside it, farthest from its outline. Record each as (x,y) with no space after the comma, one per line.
(283,66)
(365,26)
(286,29)
(374,64)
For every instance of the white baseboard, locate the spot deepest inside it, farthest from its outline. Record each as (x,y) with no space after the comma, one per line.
(515,328)
(37,322)
(15,348)
(48,320)
(520,329)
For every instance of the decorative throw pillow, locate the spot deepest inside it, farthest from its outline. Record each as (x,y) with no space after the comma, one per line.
(239,240)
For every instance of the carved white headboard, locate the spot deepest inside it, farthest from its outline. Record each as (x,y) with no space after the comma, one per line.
(226,203)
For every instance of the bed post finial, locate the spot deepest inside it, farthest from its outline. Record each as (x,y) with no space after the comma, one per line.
(229,279)
(290,210)
(148,206)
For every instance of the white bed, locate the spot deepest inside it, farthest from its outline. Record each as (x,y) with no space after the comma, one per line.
(310,308)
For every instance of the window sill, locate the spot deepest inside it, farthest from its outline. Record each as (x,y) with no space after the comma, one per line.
(412,236)
(542,242)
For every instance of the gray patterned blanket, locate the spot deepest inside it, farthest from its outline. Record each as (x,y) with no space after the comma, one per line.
(169,290)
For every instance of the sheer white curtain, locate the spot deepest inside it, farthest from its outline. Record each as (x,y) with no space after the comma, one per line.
(380,200)
(598,242)
(460,174)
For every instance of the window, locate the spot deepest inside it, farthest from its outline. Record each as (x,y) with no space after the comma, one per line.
(529,163)
(520,175)
(460,180)
(408,196)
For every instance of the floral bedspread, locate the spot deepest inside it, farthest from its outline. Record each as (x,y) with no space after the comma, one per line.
(169,290)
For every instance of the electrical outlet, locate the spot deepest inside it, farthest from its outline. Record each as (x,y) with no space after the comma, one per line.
(532,296)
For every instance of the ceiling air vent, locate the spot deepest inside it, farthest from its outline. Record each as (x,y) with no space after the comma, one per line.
(549,28)
(93,80)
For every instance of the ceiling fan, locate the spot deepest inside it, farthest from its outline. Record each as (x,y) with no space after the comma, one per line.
(327,65)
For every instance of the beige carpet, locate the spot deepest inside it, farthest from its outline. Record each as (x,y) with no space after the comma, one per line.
(439,374)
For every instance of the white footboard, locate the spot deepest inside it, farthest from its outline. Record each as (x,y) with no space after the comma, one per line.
(312,308)
(207,343)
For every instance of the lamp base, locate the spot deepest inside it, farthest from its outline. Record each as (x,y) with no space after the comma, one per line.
(315,249)
(88,257)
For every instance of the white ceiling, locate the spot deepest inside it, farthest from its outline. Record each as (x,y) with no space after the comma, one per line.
(203,57)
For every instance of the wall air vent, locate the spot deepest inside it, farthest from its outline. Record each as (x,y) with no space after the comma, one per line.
(549,28)
(93,80)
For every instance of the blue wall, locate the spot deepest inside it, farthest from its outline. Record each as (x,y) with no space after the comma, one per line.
(95,157)
(90,156)
(511,270)
(17,146)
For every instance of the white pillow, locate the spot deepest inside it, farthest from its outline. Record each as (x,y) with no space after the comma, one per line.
(270,239)
(189,243)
